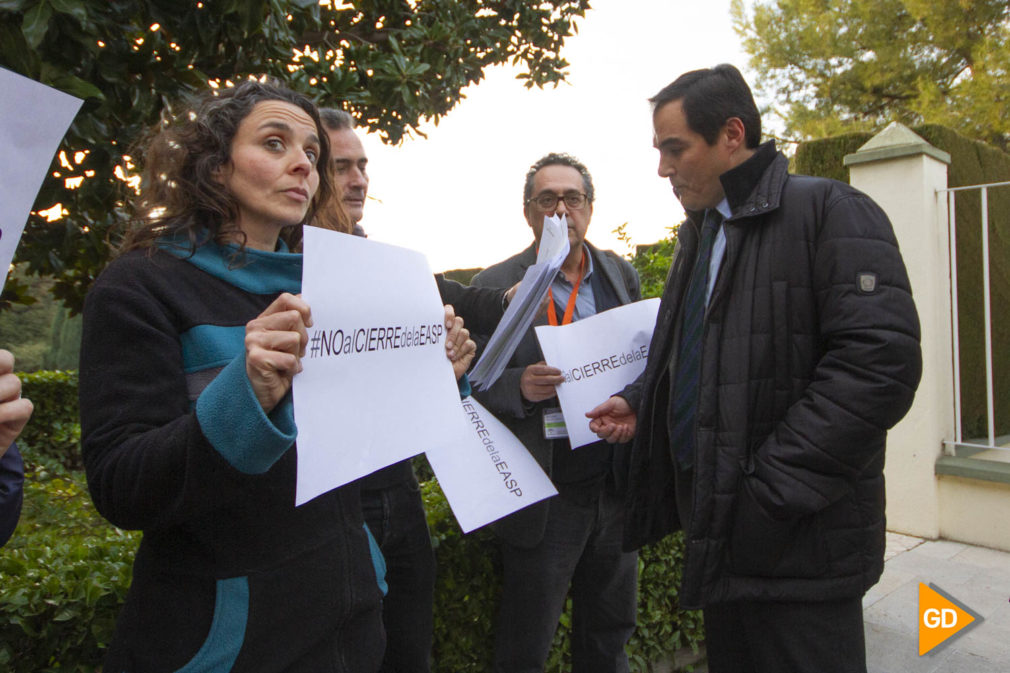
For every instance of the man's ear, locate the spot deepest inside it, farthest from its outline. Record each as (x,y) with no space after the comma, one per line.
(734,133)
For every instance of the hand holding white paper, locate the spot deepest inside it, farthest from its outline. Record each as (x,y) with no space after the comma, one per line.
(554,244)
(33,121)
(376,387)
(491,474)
(598,356)
(525,305)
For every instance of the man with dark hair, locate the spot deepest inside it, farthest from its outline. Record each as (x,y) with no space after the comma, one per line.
(786,344)
(574,538)
(350,164)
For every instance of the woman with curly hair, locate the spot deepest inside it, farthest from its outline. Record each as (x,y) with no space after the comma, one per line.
(191,339)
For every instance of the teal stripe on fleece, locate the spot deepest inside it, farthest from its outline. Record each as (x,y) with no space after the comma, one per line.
(378,561)
(464,386)
(255,271)
(209,346)
(235,424)
(227,631)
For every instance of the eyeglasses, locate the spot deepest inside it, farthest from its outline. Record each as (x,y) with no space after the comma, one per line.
(549,201)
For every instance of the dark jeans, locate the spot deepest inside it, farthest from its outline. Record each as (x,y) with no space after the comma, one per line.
(767,637)
(395,515)
(581,547)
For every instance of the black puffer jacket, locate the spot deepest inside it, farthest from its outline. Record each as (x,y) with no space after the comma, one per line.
(810,353)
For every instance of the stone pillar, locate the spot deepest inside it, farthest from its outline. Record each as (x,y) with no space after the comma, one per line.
(902,173)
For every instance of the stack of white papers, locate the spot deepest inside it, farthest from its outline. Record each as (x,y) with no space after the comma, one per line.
(524,306)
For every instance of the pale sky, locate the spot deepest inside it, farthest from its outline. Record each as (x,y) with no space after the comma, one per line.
(457,195)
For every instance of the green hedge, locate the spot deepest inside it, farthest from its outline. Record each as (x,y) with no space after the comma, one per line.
(65,572)
(466,600)
(972,163)
(54,431)
(63,575)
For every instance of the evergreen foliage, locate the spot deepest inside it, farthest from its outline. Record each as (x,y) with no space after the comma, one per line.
(393,64)
(855,65)
(66,571)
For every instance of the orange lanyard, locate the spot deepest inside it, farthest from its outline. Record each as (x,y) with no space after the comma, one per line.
(552,314)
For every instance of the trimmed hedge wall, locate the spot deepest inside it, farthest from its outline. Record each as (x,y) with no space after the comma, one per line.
(64,576)
(972,163)
(53,432)
(65,572)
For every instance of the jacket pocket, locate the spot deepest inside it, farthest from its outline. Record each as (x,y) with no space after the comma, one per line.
(760,546)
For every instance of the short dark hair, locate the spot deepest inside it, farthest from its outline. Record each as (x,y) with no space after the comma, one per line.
(710,97)
(558,159)
(336,120)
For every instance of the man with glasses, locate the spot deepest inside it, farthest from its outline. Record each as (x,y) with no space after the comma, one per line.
(574,538)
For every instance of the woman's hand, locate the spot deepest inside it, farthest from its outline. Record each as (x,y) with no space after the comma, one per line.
(459,347)
(14,409)
(275,342)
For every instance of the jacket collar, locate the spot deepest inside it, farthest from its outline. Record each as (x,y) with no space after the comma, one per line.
(755,186)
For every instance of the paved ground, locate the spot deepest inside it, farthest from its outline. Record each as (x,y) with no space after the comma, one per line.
(975,576)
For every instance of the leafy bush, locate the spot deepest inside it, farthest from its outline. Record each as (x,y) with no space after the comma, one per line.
(651,261)
(466,592)
(54,431)
(466,600)
(66,571)
(64,575)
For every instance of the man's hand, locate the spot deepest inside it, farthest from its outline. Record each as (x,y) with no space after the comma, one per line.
(275,342)
(511,293)
(538,381)
(459,347)
(614,420)
(14,409)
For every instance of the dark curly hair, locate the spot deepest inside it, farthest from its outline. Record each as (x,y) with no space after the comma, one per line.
(180,196)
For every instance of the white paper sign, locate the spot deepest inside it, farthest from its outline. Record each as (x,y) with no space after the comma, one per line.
(598,357)
(33,121)
(491,474)
(376,387)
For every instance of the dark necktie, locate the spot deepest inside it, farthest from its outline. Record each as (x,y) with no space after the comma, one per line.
(685,374)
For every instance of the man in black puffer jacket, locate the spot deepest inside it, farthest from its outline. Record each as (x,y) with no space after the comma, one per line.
(778,363)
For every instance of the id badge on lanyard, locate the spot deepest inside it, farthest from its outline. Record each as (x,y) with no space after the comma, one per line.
(554,424)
